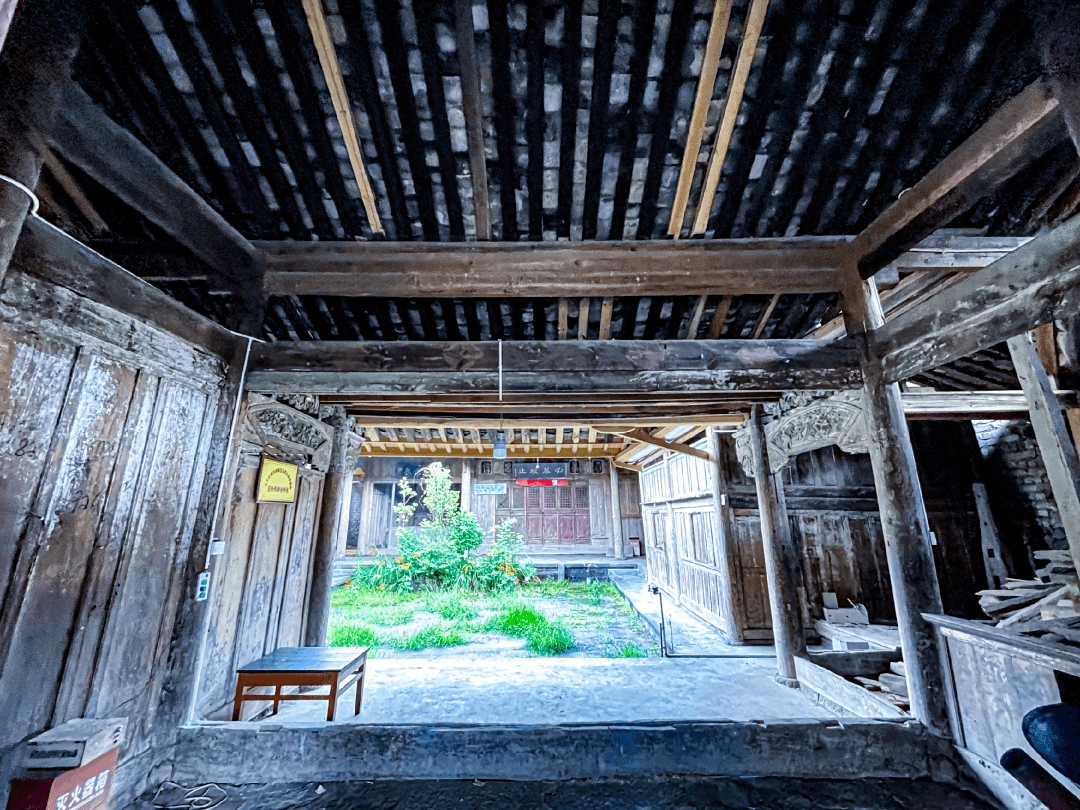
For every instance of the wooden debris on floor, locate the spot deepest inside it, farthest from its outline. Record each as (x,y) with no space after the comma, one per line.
(891,685)
(1023,603)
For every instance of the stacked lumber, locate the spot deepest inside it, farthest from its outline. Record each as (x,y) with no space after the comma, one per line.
(891,685)
(1052,595)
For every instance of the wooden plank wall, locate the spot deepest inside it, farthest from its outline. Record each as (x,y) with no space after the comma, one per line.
(832,510)
(106,427)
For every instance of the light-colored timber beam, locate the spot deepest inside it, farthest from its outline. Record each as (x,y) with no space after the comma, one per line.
(556,269)
(414,368)
(332,73)
(645,437)
(718,26)
(520,451)
(1017,135)
(1034,284)
(755,21)
(594,427)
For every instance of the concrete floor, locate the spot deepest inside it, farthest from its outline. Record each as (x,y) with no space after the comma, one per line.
(542,691)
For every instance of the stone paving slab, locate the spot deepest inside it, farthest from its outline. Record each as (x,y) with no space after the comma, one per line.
(544,691)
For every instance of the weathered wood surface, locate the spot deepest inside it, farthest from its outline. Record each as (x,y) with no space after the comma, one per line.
(618,539)
(1055,445)
(1032,285)
(552,366)
(46,253)
(730,266)
(847,695)
(728,607)
(781,559)
(1016,136)
(89,139)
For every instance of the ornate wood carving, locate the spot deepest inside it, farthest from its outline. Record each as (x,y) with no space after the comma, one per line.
(808,424)
(276,428)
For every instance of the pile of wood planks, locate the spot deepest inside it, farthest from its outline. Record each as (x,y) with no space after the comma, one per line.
(1052,595)
(891,685)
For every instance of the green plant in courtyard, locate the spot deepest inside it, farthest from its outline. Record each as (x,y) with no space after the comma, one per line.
(353,635)
(440,553)
(441,634)
(542,635)
(627,651)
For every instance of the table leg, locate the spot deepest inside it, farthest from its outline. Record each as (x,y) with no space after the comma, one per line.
(238,699)
(359,688)
(332,707)
(277,698)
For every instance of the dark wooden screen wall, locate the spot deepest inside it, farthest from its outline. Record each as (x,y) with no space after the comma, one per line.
(832,511)
(106,428)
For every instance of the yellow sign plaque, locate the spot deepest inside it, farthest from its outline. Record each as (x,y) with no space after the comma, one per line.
(277,482)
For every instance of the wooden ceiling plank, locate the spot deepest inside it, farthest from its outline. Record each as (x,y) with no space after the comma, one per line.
(718,26)
(763,319)
(605,318)
(695,317)
(474,123)
(1017,135)
(755,21)
(719,318)
(342,109)
(583,319)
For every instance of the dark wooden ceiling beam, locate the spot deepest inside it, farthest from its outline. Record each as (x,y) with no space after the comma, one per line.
(1032,285)
(1017,135)
(555,269)
(557,367)
(86,137)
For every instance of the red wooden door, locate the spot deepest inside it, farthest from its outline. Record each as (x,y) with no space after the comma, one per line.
(557,514)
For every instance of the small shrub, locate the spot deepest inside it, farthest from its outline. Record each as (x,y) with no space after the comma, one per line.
(550,639)
(353,635)
(542,635)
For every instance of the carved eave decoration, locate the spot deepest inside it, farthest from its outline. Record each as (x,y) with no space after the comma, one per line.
(837,419)
(277,429)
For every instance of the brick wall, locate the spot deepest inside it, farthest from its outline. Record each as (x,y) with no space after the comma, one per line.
(1021,499)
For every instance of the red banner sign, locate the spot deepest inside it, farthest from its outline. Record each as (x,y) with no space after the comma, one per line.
(85,788)
(543,482)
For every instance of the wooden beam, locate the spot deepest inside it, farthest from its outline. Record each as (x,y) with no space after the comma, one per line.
(718,26)
(1032,285)
(719,317)
(557,269)
(1017,135)
(1055,444)
(459,423)
(340,98)
(86,137)
(755,21)
(960,253)
(967,405)
(583,319)
(695,318)
(472,110)
(645,437)
(409,368)
(606,307)
(564,310)
(763,319)
(73,190)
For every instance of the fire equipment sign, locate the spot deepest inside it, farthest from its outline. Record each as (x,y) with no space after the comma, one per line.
(277,482)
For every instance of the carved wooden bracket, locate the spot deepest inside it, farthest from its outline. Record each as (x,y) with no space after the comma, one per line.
(287,433)
(837,419)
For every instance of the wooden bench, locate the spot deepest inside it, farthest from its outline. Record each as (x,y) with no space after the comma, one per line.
(336,667)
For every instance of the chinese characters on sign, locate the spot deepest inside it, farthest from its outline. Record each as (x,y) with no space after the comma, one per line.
(85,788)
(277,482)
(543,482)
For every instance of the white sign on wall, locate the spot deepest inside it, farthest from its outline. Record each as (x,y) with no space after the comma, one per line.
(491,488)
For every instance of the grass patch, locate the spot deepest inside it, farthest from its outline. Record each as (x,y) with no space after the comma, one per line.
(542,635)
(353,635)
(440,634)
(451,606)
(628,651)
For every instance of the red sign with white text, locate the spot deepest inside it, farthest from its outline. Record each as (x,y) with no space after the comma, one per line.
(543,482)
(85,788)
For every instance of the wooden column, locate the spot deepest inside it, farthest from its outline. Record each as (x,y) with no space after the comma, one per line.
(342,541)
(1055,445)
(35,64)
(725,551)
(466,484)
(781,560)
(367,514)
(904,524)
(338,480)
(616,513)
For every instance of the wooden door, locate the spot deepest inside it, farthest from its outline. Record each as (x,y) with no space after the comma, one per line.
(557,514)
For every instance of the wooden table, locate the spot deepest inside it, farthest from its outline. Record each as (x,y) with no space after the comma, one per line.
(336,667)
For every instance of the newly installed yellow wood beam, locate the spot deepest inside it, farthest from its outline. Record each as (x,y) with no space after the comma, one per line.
(564,310)
(605,318)
(719,318)
(706,83)
(695,318)
(332,73)
(583,319)
(755,21)
(763,319)
(643,436)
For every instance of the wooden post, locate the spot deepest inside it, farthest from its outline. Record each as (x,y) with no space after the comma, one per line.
(725,552)
(904,524)
(616,513)
(338,480)
(1055,445)
(466,484)
(35,65)
(367,515)
(789,637)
